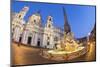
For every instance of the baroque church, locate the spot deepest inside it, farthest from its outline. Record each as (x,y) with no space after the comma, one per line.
(32,33)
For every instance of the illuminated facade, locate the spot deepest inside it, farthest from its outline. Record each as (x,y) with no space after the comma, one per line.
(32,32)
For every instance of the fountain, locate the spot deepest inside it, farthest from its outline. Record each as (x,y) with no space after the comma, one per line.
(67,49)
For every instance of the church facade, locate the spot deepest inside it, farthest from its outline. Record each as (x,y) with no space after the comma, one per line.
(32,32)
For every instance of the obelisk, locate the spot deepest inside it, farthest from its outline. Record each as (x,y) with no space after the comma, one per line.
(66,24)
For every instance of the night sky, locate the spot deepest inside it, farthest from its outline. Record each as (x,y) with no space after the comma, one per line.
(81,18)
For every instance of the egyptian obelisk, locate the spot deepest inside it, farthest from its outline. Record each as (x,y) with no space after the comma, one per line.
(66,24)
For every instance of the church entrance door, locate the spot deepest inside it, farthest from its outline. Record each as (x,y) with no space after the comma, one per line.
(38,43)
(20,38)
(29,40)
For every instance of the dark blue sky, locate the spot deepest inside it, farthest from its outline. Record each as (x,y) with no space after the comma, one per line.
(80,18)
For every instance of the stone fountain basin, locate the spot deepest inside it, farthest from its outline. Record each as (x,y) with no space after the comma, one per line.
(64,51)
(64,55)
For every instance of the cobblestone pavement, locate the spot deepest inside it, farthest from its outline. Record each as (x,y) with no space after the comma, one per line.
(23,55)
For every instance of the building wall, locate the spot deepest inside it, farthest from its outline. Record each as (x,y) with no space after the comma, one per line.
(33,33)
(16,34)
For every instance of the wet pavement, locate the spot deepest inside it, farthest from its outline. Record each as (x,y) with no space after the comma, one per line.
(25,55)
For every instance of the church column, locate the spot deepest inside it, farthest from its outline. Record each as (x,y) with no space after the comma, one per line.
(16,34)
(24,40)
(33,39)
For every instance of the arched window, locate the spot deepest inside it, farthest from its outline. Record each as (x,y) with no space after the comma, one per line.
(55,45)
(49,19)
(49,25)
(55,39)
(19,16)
(34,20)
(48,38)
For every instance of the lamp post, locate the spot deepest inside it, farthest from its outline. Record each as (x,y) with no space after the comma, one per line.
(88,37)
(88,43)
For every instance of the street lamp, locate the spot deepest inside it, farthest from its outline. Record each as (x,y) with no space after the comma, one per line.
(88,36)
